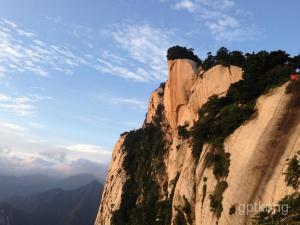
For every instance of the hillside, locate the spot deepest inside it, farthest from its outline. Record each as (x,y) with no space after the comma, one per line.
(56,206)
(32,184)
(217,138)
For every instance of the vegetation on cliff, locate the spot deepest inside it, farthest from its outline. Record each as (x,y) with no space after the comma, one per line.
(178,52)
(225,58)
(144,149)
(221,116)
(217,196)
(141,198)
(286,212)
(292,174)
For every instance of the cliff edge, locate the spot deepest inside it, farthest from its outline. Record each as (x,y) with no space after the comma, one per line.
(155,178)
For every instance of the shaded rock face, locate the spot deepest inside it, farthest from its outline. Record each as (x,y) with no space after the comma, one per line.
(255,173)
(113,186)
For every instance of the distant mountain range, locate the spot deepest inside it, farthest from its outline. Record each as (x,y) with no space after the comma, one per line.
(31,184)
(54,207)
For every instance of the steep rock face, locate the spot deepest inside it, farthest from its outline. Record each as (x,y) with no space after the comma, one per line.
(182,76)
(189,181)
(215,81)
(258,153)
(112,191)
(156,99)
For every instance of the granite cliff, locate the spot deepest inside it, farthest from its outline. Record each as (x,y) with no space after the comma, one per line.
(155,176)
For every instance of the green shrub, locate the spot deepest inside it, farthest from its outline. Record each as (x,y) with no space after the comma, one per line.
(293,87)
(178,52)
(278,75)
(216,198)
(144,150)
(217,121)
(223,57)
(162,85)
(286,213)
(220,162)
(232,210)
(183,132)
(237,58)
(292,174)
(209,62)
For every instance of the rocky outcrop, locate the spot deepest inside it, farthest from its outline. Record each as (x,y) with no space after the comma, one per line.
(215,81)
(259,150)
(112,192)
(258,154)
(182,76)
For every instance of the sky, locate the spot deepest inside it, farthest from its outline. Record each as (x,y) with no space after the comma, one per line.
(76,74)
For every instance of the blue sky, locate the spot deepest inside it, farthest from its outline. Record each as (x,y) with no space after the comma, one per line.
(76,74)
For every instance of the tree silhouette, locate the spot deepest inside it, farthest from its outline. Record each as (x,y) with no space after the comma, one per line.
(178,52)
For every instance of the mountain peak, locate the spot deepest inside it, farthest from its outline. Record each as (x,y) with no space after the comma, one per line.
(205,147)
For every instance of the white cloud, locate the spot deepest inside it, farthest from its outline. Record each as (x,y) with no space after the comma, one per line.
(20,105)
(220,17)
(10,23)
(13,133)
(217,4)
(2,71)
(107,66)
(54,164)
(87,151)
(12,127)
(116,100)
(222,25)
(25,34)
(35,125)
(88,166)
(129,101)
(139,51)
(55,156)
(185,4)
(21,153)
(22,51)
(145,48)
(23,108)
(86,148)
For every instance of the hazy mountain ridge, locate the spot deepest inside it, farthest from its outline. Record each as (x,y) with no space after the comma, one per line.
(56,206)
(25,185)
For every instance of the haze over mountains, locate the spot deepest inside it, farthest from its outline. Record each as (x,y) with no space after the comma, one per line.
(30,184)
(39,199)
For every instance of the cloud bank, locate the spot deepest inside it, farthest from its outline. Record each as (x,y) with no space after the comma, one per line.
(22,152)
